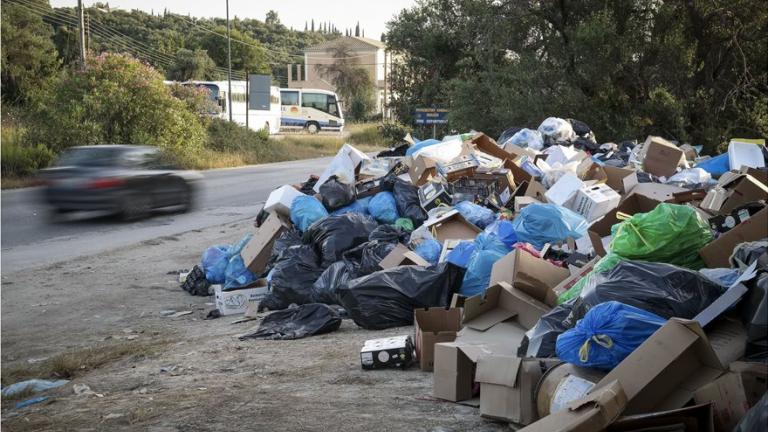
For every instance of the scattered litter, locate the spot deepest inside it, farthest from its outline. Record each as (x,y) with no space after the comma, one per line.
(33,401)
(33,385)
(85,390)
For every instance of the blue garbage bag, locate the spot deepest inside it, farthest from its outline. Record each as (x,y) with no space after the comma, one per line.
(383,208)
(500,230)
(237,247)
(461,254)
(478,215)
(358,206)
(420,145)
(237,274)
(306,210)
(429,249)
(717,165)
(539,224)
(478,273)
(214,261)
(606,335)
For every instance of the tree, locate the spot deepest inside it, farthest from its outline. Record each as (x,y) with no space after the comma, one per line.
(117,99)
(28,54)
(313,24)
(353,83)
(272,19)
(305,26)
(357,29)
(192,65)
(247,53)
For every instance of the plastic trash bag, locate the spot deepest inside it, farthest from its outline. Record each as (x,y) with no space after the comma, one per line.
(421,145)
(408,204)
(501,230)
(297,322)
(325,288)
(425,245)
(526,138)
(404,223)
(237,274)
(539,224)
(292,278)
(744,254)
(556,130)
(716,166)
(387,298)
(442,152)
(383,208)
(478,273)
(506,135)
(722,276)
(306,210)
(756,418)
(214,262)
(32,385)
(286,239)
(540,341)
(389,233)
(461,254)
(606,335)
(364,259)
(358,206)
(691,178)
(343,166)
(336,194)
(334,235)
(670,233)
(478,215)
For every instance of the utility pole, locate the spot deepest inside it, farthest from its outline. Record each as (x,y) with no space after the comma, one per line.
(384,108)
(81,25)
(247,98)
(229,66)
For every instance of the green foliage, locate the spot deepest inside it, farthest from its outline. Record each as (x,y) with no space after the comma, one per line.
(119,100)
(393,132)
(28,54)
(353,83)
(18,159)
(694,71)
(196,99)
(192,65)
(226,136)
(247,53)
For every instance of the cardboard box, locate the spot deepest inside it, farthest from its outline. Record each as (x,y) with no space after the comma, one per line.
(594,201)
(717,253)
(280,200)
(257,252)
(760,174)
(236,301)
(366,188)
(421,169)
(462,166)
(454,368)
(433,326)
(661,157)
(728,339)
(391,352)
(564,190)
(574,277)
(400,256)
(533,276)
(724,223)
(433,194)
(452,225)
(734,393)
(665,371)
(632,204)
(507,386)
(501,302)
(696,418)
(485,144)
(658,191)
(591,413)
(733,191)
(622,180)
(523,201)
(589,170)
(537,191)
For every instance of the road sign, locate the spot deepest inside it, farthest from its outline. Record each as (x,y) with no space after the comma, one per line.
(431,116)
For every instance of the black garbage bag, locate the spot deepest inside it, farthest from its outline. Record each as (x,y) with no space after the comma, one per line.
(398,151)
(389,233)
(289,238)
(334,235)
(408,204)
(326,287)
(336,194)
(541,339)
(292,278)
(308,187)
(663,289)
(297,322)
(507,134)
(195,283)
(364,259)
(744,254)
(387,298)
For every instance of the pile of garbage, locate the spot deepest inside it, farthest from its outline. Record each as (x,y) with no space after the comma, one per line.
(571,284)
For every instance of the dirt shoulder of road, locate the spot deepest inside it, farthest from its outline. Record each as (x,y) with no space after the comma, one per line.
(97,319)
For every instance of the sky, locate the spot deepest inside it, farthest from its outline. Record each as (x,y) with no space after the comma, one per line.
(372,14)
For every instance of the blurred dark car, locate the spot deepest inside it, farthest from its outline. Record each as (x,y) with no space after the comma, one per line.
(127,180)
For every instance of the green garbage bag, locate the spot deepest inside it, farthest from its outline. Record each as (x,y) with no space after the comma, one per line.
(670,233)
(404,223)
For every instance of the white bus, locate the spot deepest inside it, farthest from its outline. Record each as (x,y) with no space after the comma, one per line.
(257,119)
(313,110)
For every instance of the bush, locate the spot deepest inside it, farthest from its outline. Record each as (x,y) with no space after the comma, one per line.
(19,160)
(394,133)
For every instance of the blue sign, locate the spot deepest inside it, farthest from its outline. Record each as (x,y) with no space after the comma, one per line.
(431,116)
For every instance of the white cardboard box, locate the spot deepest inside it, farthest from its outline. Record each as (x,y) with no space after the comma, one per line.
(564,189)
(280,200)
(593,202)
(236,302)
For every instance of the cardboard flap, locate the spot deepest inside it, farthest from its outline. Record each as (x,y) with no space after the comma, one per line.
(610,396)
(496,369)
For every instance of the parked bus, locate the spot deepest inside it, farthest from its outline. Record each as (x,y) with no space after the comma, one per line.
(257,119)
(313,110)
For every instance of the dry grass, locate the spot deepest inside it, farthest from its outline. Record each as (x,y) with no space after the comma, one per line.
(16,183)
(70,364)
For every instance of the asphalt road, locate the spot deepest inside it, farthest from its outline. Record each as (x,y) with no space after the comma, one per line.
(29,239)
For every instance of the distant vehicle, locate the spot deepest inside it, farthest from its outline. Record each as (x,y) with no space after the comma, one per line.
(127,180)
(257,119)
(313,110)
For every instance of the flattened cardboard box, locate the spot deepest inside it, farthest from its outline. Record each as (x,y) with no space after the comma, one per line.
(533,276)
(501,302)
(256,253)
(734,393)
(400,256)
(665,371)
(696,418)
(717,253)
(236,301)
(433,326)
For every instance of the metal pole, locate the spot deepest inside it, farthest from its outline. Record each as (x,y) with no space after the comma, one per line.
(384,108)
(229,66)
(81,25)
(247,98)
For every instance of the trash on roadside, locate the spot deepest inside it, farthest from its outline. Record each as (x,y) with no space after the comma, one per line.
(296,323)
(392,352)
(33,386)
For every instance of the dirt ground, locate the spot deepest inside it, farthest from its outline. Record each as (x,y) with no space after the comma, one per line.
(187,373)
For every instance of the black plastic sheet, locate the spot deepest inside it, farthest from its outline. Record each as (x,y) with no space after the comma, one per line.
(336,234)
(297,322)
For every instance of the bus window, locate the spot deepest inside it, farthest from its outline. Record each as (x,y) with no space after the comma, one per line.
(289,97)
(332,107)
(320,102)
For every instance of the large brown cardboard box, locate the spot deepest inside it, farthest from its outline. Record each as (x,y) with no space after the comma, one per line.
(455,365)
(452,225)
(501,302)
(507,386)
(433,326)
(661,157)
(256,253)
(658,191)
(533,276)
(486,144)
(696,418)
(742,190)
(622,180)
(421,168)
(734,393)
(591,413)
(665,371)
(717,253)
(634,203)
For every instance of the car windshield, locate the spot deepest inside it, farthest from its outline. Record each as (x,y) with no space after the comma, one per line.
(90,156)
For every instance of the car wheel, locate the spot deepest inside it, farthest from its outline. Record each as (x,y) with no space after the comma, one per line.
(135,206)
(313,128)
